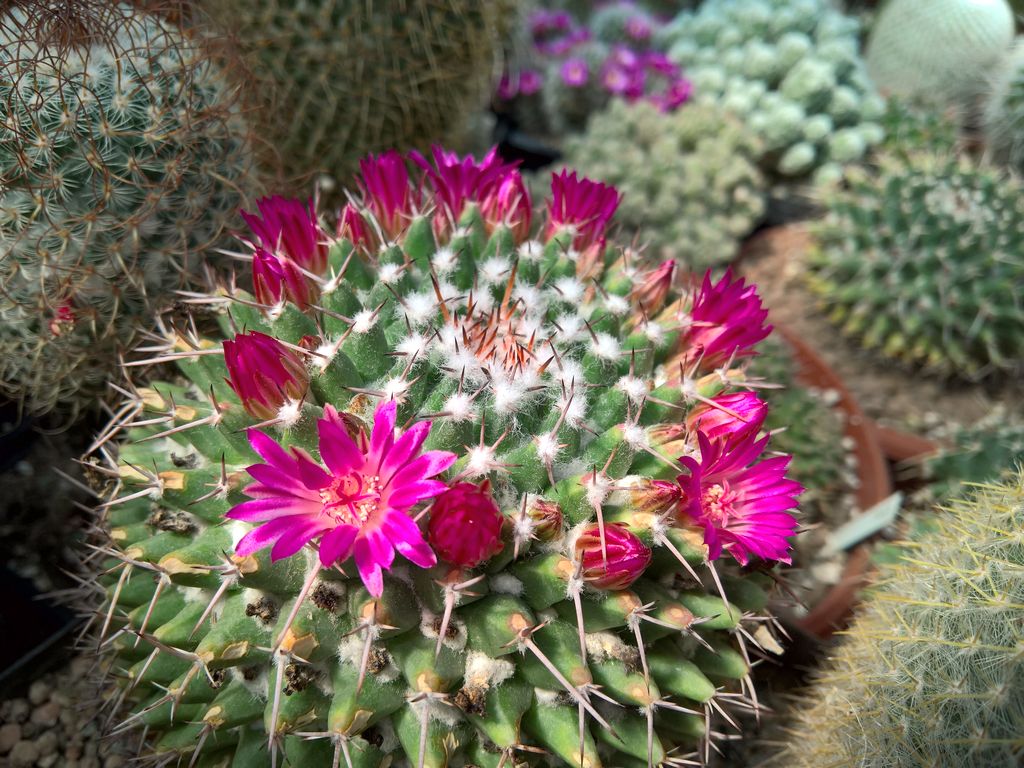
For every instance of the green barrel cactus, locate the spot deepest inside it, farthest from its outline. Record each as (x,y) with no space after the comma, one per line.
(941,52)
(122,161)
(502,405)
(976,453)
(1004,109)
(689,179)
(790,70)
(916,259)
(331,80)
(931,671)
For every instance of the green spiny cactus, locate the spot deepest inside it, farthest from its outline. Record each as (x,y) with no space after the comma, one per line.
(624,22)
(789,69)
(556,373)
(977,453)
(688,178)
(334,79)
(121,163)
(567,107)
(931,671)
(940,52)
(1004,108)
(917,258)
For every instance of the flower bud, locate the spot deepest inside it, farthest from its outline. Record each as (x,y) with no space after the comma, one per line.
(547,518)
(627,556)
(352,227)
(264,373)
(733,418)
(277,280)
(289,228)
(465,525)
(653,289)
(654,497)
(509,203)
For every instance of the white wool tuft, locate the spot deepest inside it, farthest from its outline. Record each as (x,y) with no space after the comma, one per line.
(531,250)
(444,261)
(654,332)
(571,327)
(547,698)
(570,375)
(480,460)
(414,345)
(363,321)
(389,273)
(576,410)
(420,307)
(459,407)
(616,305)
(607,347)
(530,296)
(570,289)
(288,415)
(457,643)
(395,389)
(494,270)
(507,396)
(484,671)
(506,584)
(634,388)
(605,645)
(547,448)
(635,436)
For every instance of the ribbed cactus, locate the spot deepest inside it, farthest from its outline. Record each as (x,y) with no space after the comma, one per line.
(789,69)
(940,52)
(331,80)
(1004,108)
(689,179)
(931,672)
(121,162)
(506,413)
(917,257)
(976,453)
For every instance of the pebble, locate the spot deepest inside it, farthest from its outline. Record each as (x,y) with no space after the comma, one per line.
(47,743)
(10,734)
(39,692)
(24,754)
(46,715)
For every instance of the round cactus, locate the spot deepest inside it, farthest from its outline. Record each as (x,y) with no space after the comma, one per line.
(789,69)
(503,411)
(931,671)
(915,259)
(121,162)
(939,52)
(1004,109)
(331,80)
(688,179)
(977,453)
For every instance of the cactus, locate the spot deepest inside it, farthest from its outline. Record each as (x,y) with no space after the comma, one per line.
(941,52)
(121,162)
(976,453)
(914,258)
(334,79)
(688,178)
(564,599)
(1004,109)
(931,670)
(789,69)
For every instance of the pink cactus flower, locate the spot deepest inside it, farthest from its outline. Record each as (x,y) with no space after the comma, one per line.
(726,322)
(289,228)
(575,72)
(627,556)
(674,96)
(384,182)
(353,227)
(653,289)
(743,506)
(734,417)
(264,373)
(63,319)
(530,82)
(638,28)
(276,280)
(586,207)
(465,525)
(356,503)
(509,204)
(508,87)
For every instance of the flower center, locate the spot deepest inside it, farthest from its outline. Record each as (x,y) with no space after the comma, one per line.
(718,502)
(351,499)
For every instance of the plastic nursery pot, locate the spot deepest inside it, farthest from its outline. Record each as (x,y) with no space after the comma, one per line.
(874,485)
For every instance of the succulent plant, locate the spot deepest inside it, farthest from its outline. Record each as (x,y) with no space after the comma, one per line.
(122,161)
(689,179)
(914,258)
(789,69)
(334,79)
(976,453)
(942,52)
(564,598)
(1004,108)
(930,672)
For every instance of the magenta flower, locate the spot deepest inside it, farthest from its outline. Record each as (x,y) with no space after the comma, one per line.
(627,556)
(509,204)
(353,227)
(619,81)
(734,417)
(586,207)
(726,322)
(384,182)
(658,62)
(652,291)
(742,505)
(289,228)
(465,525)
(638,28)
(508,87)
(530,81)
(575,72)
(63,319)
(276,280)
(674,96)
(356,504)
(264,373)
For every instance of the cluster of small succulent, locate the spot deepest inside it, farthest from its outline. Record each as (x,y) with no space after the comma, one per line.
(689,179)
(331,80)
(578,424)
(977,453)
(941,53)
(790,69)
(914,258)
(931,672)
(122,161)
(576,70)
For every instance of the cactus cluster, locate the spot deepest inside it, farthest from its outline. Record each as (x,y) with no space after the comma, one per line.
(122,161)
(976,453)
(534,419)
(689,179)
(1004,109)
(331,80)
(942,52)
(916,258)
(790,69)
(931,671)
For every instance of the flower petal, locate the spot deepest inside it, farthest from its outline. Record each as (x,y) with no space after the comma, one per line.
(383,430)
(279,481)
(337,449)
(296,538)
(405,536)
(407,446)
(369,561)
(264,535)
(258,510)
(422,467)
(413,493)
(336,545)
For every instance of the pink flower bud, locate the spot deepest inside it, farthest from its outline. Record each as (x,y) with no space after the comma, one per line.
(509,204)
(465,525)
(547,518)
(627,556)
(277,280)
(653,290)
(289,229)
(63,319)
(352,227)
(734,417)
(264,373)
(655,497)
